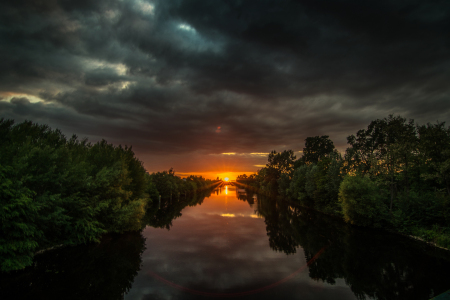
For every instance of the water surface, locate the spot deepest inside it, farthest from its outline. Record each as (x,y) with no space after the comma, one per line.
(236,245)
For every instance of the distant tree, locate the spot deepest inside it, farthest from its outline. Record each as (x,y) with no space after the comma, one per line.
(241,177)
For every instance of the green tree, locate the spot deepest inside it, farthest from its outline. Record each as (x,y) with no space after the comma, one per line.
(280,166)
(282,162)
(362,202)
(434,147)
(19,235)
(387,149)
(297,187)
(316,148)
(365,147)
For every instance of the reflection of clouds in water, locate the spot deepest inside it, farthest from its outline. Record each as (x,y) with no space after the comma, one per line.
(217,247)
(234,251)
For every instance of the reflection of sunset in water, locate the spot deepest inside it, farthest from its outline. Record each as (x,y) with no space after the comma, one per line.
(222,244)
(233,244)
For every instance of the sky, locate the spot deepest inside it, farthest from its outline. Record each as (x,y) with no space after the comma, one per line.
(211,87)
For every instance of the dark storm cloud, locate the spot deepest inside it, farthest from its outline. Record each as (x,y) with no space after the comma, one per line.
(163,75)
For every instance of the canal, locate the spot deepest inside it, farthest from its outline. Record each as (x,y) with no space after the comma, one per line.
(231,243)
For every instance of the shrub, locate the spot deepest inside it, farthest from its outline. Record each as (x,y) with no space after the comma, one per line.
(362,202)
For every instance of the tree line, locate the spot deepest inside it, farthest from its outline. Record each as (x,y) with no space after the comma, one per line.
(56,190)
(395,175)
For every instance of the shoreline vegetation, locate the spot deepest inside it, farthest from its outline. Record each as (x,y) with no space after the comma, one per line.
(336,217)
(65,191)
(395,175)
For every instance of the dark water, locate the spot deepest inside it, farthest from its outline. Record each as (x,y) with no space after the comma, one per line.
(232,245)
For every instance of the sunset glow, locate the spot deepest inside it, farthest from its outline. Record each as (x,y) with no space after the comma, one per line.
(213,175)
(226,179)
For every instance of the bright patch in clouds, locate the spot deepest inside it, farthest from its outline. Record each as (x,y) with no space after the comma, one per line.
(186,27)
(247,154)
(145,7)
(13,96)
(260,153)
(93,64)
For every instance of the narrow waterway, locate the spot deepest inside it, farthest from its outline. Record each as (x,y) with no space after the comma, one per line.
(233,244)
(221,249)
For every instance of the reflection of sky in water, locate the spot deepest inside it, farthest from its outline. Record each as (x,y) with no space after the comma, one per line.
(221,246)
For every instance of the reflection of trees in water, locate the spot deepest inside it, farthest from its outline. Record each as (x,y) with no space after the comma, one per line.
(372,263)
(96,271)
(247,196)
(161,214)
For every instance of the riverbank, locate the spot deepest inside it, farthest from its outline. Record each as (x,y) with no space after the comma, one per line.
(433,237)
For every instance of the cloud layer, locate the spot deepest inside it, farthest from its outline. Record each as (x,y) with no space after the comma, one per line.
(165,75)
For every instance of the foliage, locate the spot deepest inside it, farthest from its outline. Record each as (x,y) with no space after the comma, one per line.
(316,148)
(317,185)
(434,146)
(170,186)
(281,162)
(278,170)
(56,191)
(19,236)
(397,176)
(362,202)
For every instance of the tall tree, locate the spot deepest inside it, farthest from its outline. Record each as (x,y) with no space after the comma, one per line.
(316,148)
(365,146)
(434,146)
(388,147)
(281,163)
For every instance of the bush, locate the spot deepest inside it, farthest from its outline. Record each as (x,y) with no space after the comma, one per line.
(18,235)
(362,202)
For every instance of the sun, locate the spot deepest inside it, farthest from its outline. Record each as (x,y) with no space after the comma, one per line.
(226,179)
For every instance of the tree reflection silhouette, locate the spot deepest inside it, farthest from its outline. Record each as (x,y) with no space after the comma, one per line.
(95,271)
(374,264)
(161,214)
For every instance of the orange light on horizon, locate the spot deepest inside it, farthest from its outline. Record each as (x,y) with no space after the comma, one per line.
(231,175)
(226,179)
